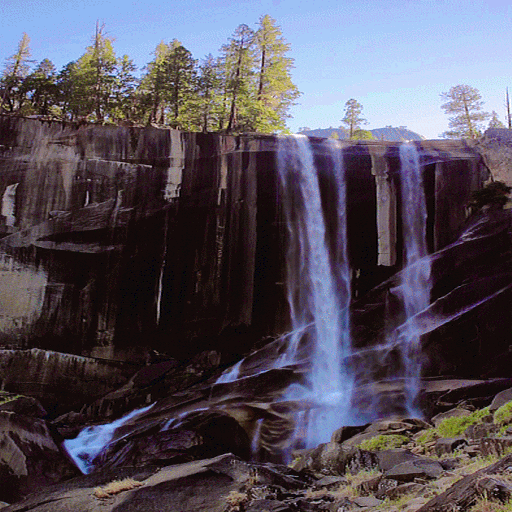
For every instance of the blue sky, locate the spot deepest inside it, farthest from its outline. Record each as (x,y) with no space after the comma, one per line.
(394,57)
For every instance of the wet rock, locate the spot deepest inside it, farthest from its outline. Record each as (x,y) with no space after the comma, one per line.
(500,399)
(495,445)
(457,412)
(200,435)
(335,459)
(397,426)
(24,405)
(418,468)
(59,381)
(446,445)
(328,458)
(29,457)
(200,485)
(496,149)
(494,488)
(345,433)
(390,458)
(481,430)
(366,501)
(463,494)
(411,488)
(370,486)
(269,506)
(330,481)
(385,485)
(449,464)
(152,373)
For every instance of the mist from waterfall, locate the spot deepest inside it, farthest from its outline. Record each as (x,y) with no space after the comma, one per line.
(415,286)
(318,284)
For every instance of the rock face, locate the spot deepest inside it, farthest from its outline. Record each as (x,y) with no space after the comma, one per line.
(29,457)
(60,381)
(496,149)
(120,240)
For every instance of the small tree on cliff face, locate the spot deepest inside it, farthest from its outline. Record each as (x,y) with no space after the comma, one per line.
(464,103)
(353,119)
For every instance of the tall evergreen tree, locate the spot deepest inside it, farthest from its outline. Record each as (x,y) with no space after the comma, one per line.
(41,88)
(124,87)
(239,60)
(353,119)
(465,104)
(65,83)
(152,86)
(209,90)
(16,70)
(276,91)
(495,121)
(168,88)
(94,76)
(180,87)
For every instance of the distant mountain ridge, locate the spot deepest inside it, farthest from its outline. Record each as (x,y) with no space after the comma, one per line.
(390,133)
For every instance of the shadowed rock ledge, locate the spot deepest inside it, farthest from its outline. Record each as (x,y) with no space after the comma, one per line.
(123,240)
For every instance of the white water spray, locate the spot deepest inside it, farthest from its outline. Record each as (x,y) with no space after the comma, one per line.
(231,374)
(91,441)
(318,285)
(416,285)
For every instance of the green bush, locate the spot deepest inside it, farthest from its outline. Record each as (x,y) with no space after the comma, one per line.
(503,416)
(383,442)
(492,196)
(427,436)
(457,425)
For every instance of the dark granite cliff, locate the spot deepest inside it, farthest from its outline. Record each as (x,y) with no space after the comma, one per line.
(119,240)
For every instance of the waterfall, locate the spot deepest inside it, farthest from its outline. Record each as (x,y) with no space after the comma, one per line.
(231,374)
(92,440)
(318,284)
(415,286)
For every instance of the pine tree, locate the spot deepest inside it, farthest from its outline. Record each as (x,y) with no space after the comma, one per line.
(465,103)
(495,121)
(124,87)
(180,85)
(16,70)
(353,119)
(209,94)
(168,88)
(94,75)
(65,83)
(41,88)
(152,86)
(238,63)
(276,91)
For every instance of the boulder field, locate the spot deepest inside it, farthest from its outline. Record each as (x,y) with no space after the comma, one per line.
(455,461)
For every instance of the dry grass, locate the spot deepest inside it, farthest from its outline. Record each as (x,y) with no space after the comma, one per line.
(235,500)
(485,505)
(116,487)
(344,490)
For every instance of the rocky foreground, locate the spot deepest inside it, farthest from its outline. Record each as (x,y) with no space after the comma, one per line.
(459,460)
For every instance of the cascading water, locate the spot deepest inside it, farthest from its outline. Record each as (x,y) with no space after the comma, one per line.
(415,285)
(92,440)
(318,284)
